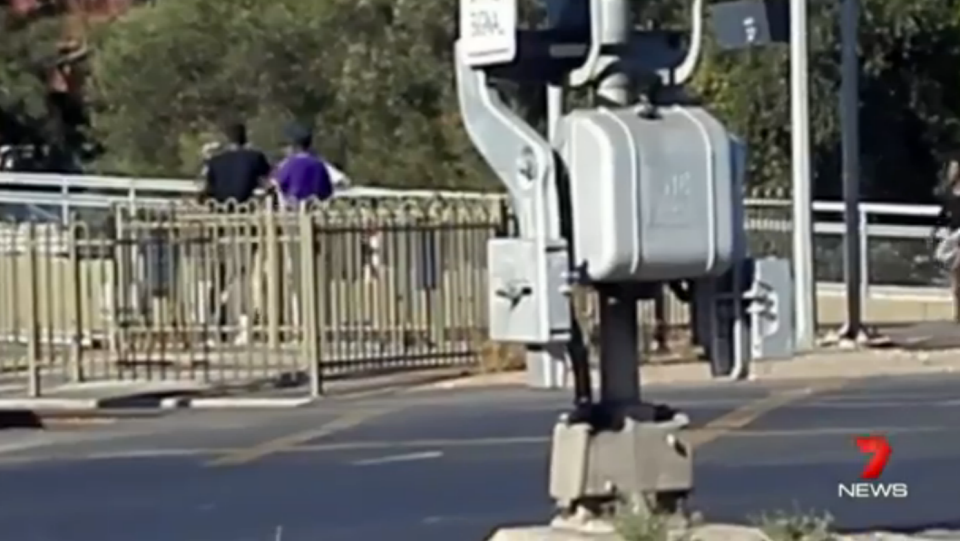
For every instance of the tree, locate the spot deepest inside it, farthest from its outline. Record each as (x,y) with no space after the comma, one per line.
(166,75)
(909,106)
(375,77)
(24,44)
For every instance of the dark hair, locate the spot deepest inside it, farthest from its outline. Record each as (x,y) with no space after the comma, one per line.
(299,136)
(237,133)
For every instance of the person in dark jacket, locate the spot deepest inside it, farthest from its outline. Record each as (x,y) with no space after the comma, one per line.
(233,176)
(234,173)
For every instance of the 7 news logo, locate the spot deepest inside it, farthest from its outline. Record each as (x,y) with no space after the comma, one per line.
(879,449)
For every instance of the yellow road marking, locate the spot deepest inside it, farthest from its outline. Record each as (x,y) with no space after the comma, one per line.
(443,443)
(751,412)
(727,424)
(721,426)
(469,443)
(290,441)
(540,440)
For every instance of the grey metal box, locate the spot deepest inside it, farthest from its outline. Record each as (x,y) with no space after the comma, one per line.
(653,198)
(528,291)
(771,310)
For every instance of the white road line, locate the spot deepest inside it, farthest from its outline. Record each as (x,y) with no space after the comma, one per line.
(864,404)
(828,431)
(147,453)
(409,457)
(14,447)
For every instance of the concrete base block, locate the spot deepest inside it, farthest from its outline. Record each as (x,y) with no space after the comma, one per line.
(547,368)
(707,532)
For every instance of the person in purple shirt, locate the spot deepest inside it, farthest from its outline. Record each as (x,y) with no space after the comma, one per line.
(302,175)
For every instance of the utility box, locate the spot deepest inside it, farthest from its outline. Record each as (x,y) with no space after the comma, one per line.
(529,302)
(771,309)
(746,315)
(750,23)
(654,197)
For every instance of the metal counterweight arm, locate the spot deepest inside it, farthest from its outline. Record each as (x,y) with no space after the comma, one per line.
(523,161)
(507,143)
(682,73)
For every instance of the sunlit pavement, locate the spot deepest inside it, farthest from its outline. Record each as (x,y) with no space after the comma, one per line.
(453,465)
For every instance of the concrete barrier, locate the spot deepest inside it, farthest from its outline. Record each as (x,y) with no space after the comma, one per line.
(886,305)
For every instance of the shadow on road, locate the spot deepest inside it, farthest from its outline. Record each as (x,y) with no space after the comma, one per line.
(20,419)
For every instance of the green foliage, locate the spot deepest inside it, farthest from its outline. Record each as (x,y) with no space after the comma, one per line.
(909,105)
(635,527)
(796,526)
(172,73)
(375,78)
(25,48)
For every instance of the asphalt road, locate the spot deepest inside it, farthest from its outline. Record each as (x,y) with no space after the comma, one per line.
(454,465)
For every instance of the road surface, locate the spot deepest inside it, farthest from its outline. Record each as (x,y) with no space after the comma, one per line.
(455,464)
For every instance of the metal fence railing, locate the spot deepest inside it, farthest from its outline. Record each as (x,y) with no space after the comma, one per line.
(254,297)
(895,244)
(246,295)
(259,296)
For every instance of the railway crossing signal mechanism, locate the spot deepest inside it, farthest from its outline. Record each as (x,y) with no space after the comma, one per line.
(641,188)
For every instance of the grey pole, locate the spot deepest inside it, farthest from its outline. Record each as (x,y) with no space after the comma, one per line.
(619,338)
(554,109)
(547,367)
(806,293)
(850,133)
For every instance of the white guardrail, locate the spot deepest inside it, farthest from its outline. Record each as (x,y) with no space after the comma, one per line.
(71,192)
(871,232)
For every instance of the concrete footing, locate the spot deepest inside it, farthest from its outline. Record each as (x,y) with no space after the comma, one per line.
(706,532)
(553,533)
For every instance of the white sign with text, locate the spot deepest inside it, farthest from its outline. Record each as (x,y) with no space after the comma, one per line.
(872,490)
(488,31)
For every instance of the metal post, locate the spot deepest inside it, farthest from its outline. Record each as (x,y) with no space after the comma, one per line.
(547,366)
(272,262)
(77,300)
(33,313)
(863,217)
(850,133)
(554,110)
(619,382)
(619,341)
(806,293)
(309,303)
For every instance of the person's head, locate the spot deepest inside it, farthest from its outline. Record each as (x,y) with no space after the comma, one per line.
(299,138)
(236,134)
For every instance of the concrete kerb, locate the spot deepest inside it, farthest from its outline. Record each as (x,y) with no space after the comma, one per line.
(55,405)
(235,402)
(818,365)
(162,396)
(50,404)
(141,395)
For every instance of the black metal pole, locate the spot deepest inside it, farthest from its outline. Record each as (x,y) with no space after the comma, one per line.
(850,137)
